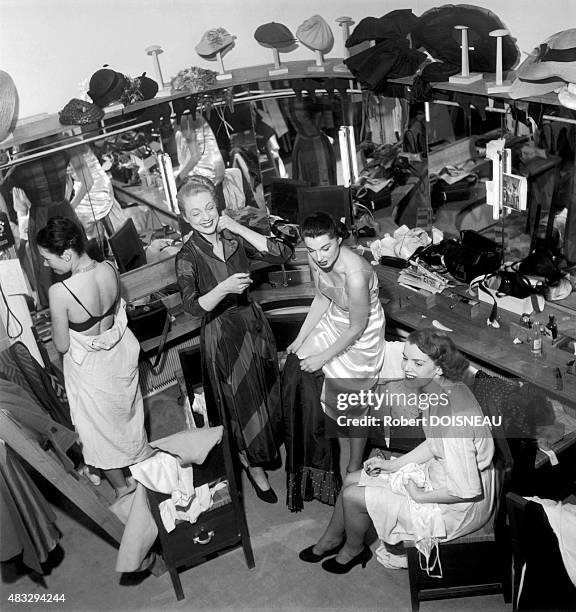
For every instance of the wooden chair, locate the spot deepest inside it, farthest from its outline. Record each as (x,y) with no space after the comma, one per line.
(222,527)
(474,564)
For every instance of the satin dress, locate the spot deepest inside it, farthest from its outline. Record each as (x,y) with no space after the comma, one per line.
(358,367)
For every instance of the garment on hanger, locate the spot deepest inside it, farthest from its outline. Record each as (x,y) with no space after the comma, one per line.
(312,459)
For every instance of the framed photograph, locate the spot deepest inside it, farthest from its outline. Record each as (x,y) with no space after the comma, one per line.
(514,192)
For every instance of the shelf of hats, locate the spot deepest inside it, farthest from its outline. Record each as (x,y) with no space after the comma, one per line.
(422,96)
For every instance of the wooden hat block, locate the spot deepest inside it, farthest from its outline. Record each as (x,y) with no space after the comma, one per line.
(154,51)
(465,77)
(318,66)
(223,76)
(499,85)
(278,68)
(345,23)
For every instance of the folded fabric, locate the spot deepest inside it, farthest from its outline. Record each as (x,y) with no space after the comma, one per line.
(191,445)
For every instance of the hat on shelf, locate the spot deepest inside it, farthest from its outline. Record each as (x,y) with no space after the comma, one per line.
(555,57)
(315,34)
(8,105)
(106,86)
(548,68)
(274,35)
(435,32)
(567,96)
(80,112)
(214,41)
(395,24)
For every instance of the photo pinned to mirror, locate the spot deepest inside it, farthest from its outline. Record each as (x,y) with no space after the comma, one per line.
(514,192)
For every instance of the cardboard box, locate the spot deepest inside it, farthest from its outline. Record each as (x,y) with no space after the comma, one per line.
(457,303)
(511,304)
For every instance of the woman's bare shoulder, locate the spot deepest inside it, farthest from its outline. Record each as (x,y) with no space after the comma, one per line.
(353,262)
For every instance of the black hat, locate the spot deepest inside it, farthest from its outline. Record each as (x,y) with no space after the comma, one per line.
(274,35)
(106,86)
(148,87)
(395,24)
(435,32)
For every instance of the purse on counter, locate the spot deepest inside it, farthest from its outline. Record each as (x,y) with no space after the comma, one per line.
(471,256)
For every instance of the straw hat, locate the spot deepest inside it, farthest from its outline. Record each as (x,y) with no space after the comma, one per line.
(8,105)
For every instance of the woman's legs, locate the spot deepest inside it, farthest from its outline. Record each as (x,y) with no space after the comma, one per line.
(257,473)
(357,446)
(116,478)
(349,518)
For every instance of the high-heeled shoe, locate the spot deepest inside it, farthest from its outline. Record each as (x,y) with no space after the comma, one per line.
(332,566)
(309,556)
(269,496)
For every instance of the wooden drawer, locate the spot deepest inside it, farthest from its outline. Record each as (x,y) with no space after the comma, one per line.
(189,543)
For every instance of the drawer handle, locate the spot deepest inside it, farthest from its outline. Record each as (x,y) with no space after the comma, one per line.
(206,540)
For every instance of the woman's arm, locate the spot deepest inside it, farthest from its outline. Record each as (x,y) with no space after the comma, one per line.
(377,465)
(318,307)
(257,246)
(84,179)
(359,311)
(196,304)
(438,496)
(59,319)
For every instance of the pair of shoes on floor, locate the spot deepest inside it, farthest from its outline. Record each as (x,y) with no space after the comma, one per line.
(390,560)
(362,558)
(269,496)
(309,556)
(92,476)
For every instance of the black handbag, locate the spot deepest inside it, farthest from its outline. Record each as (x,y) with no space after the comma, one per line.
(471,256)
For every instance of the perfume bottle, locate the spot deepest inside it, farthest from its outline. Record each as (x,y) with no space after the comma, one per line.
(535,340)
(552,326)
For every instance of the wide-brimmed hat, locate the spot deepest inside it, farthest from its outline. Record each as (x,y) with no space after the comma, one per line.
(525,87)
(214,41)
(567,96)
(315,34)
(554,58)
(395,24)
(106,86)
(8,105)
(435,32)
(274,35)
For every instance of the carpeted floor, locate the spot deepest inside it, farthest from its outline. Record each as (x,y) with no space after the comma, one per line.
(83,570)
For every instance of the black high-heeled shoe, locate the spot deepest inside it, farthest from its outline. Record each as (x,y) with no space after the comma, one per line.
(309,556)
(269,496)
(332,566)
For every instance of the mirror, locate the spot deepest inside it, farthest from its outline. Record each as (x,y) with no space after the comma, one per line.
(457,136)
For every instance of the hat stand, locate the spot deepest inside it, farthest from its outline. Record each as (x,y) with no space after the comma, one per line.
(345,24)
(278,68)
(223,76)
(499,86)
(155,51)
(319,65)
(465,77)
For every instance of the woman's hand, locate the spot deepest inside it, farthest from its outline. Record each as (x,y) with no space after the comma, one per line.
(378,465)
(414,491)
(225,222)
(236,283)
(312,363)
(295,346)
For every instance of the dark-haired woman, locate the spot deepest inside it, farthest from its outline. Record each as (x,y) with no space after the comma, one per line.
(238,349)
(100,354)
(454,462)
(343,334)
